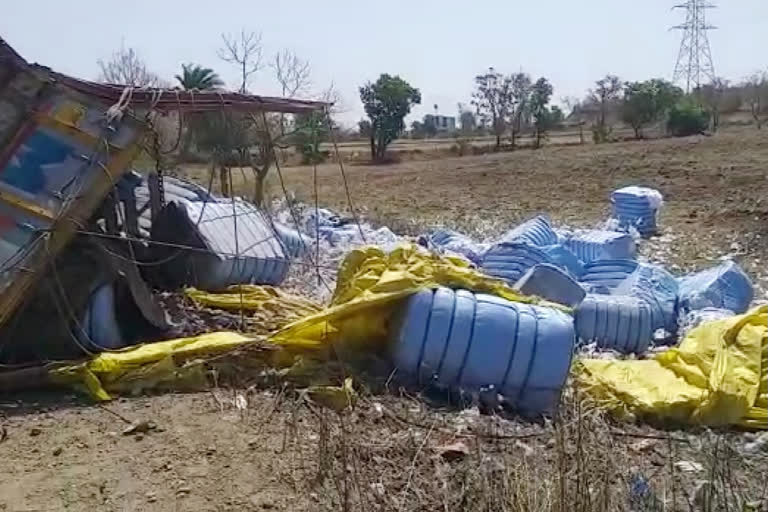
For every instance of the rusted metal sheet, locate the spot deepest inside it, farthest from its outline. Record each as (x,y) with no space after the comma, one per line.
(166,100)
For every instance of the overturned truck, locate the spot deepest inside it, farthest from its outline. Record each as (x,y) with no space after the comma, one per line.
(73,261)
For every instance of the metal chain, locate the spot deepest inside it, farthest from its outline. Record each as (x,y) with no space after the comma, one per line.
(158,166)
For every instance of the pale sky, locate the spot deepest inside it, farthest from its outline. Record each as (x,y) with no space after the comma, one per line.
(437,46)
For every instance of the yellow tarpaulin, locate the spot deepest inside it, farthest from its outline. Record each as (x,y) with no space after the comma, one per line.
(371,283)
(268,308)
(717,376)
(147,366)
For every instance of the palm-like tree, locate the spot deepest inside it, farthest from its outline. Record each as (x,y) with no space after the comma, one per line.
(197,77)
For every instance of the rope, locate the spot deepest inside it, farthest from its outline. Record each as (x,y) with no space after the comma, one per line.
(317,200)
(288,201)
(116,111)
(343,175)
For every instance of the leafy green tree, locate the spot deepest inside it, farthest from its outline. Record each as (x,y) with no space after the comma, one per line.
(687,117)
(387,101)
(493,101)
(310,131)
(364,128)
(196,77)
(647,102)
(541,93)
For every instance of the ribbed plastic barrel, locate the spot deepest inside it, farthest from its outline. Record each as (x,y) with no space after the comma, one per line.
(99,328)
(621,323)
(537,231)
(600,244)
(457,242)
(294,243)
(636,207)
(652,283)
(725,286)
(510,260)
(461,340)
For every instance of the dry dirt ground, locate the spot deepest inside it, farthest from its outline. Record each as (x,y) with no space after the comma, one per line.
(713,187)
(267,448)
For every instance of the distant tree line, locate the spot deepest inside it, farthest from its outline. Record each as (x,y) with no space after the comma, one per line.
(504,106)
(656,101)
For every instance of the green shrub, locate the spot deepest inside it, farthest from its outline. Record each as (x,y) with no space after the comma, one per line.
(687,118)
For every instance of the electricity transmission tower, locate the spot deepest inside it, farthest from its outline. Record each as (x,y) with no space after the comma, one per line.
(694,60)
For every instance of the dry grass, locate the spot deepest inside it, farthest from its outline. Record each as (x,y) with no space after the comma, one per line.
(261,445)
(388,454)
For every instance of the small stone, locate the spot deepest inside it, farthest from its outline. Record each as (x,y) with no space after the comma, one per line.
(377,411)
(453,451)
(151,497)
(138,437)
(688,466)
(35,431)
(643,445)
(141,427)
(57,451)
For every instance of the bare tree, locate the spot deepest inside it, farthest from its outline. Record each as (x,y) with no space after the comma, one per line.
(244,51)
(711,96)
(332,97)
(493,101)
(125,67)
(606,94)
(756,92)
(574,106)
(293,76)
(292,73)
(521,102)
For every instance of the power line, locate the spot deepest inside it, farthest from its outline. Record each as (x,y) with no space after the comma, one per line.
(694,59)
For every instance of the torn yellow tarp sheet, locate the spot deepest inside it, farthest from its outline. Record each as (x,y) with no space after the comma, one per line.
(147,366)
(371,283)
(268,308)
(717,376)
